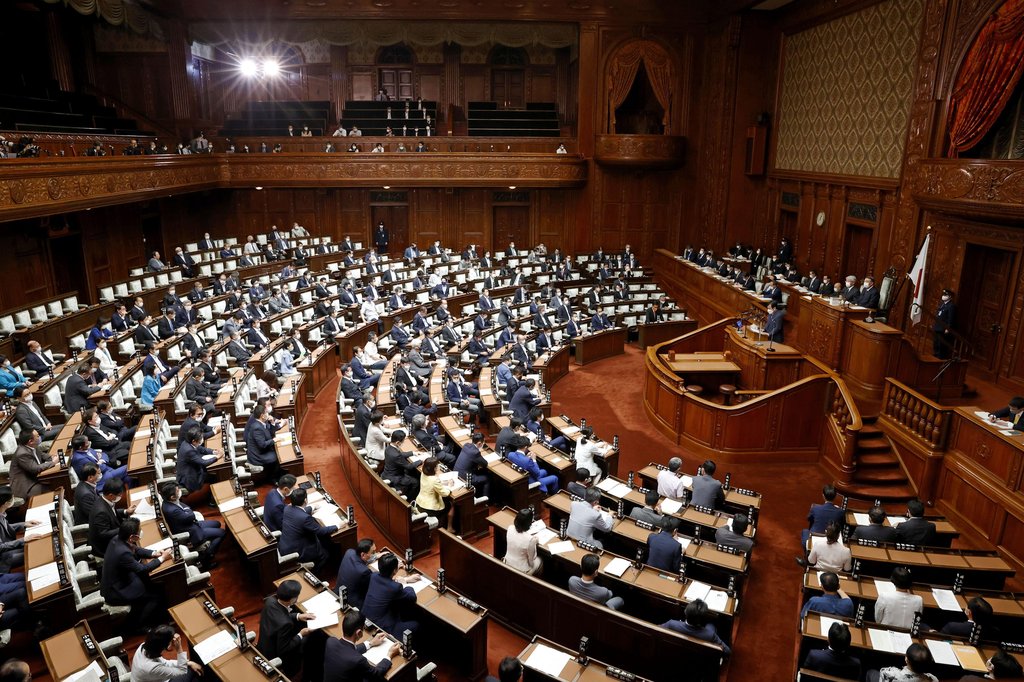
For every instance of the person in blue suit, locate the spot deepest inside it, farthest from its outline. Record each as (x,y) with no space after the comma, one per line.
(388,597)
(124,581)
(518,456)
(274,502)
(524,400)
(471,463)
(833,601)
(259,443)
(193,460)
(301,533)
(344,658)
(11,378)
(835,660)
(663,552)
(399,334)
(101,330)
(697,625)
(354,572)
(773,324)
(533,425)
(203,536)
(84,454)
(821,516)
(600,321)
(359,373)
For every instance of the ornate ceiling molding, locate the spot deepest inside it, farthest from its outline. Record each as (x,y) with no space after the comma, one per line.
(970,187)
(39,187)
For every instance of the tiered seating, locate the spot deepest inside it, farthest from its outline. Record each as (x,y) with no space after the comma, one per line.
(539,119)
(372,117)
(46,108)
(272,118)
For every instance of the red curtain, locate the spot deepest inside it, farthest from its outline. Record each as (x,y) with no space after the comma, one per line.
(624,67)
(988,77)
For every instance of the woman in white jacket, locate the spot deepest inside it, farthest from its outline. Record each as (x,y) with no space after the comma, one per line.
(107,364)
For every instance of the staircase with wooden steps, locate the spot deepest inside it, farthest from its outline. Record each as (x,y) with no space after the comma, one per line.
(879,473)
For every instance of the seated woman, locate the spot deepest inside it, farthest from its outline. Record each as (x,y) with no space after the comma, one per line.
(102,353)
(10,376)
(831,555)
(266,385)
(101,330)
(150,387)
(522,544)
(434,497)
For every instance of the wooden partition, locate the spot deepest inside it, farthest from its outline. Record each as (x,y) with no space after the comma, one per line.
(798,422)
(530,605)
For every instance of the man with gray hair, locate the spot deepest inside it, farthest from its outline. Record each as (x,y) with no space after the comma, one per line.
(587,516)
(851,292)
(423,433)
(670,483)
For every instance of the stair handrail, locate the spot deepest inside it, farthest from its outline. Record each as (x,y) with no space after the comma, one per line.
(915,414)
(845,416)
(920,337)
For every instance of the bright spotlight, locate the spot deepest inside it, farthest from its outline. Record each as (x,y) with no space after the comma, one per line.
(271,67)
(248,67)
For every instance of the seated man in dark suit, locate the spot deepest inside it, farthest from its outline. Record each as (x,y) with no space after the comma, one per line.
(822,515)
(399,470)
(1001,666)
(193,459)
(833,601)
(302,533)
(124,581)
(344,658)
(696,625)
(386,598)
(1013,413)
(877,530)
(582,482)
(734,537)
(203,536)
(281,627)
(663,552)
(835,660)
(509,670)
(86,496)
(274,502)
(105,518)
(916,530)
(649,512)
(978,612)
(259,443)
(354,572)
(238,351)
(77,390)
(471,465)
(706,490)
(869,296)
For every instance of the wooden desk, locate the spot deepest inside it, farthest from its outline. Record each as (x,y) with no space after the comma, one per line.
(985,570)
(197,624)
(735,501)
(65,652)
(553,365)
(530,605)
(603,344)
(593,671)
(402,669)
(760,368)
(508,486)
(259,550)
(319,368)
(945,530)
(563,426)
(651,594)
(653,333)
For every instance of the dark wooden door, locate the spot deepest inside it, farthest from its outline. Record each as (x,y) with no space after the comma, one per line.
(396,220)
(511,223)
(856,253)
(981,302)
(397,82)
(508,88)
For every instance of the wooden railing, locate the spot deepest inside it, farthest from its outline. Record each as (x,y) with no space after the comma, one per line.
(807,420)
(905,409)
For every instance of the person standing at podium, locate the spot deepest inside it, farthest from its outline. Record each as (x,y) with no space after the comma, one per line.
(773,324)
(942,339)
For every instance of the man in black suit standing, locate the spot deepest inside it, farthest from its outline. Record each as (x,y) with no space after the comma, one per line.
(344,658)
(380,238)
(942,340)
(773,324)
(124,581)
(282,627)
(916,530)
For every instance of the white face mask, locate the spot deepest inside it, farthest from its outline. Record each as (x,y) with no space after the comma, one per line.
(945,298)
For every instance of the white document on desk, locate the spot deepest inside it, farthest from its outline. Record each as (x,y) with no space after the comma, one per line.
(547,660)
(942,652)
(325,510)
(946,600)
(215,646)
(896,520)
(40,531)
(322,604)
(491,457)
(884,587)
(40,514)
(420,585)
(683,542)
(233,503)
(378,653)
(139,495)
(92,673)
(862,519)
(561,547)
(546,535)
(670,506)
(158,547)
(313,496)
(322,620)
(144,510)
(717,600)
(826,624)
(44,571)
(607,484)
(617,567)
(697,590)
